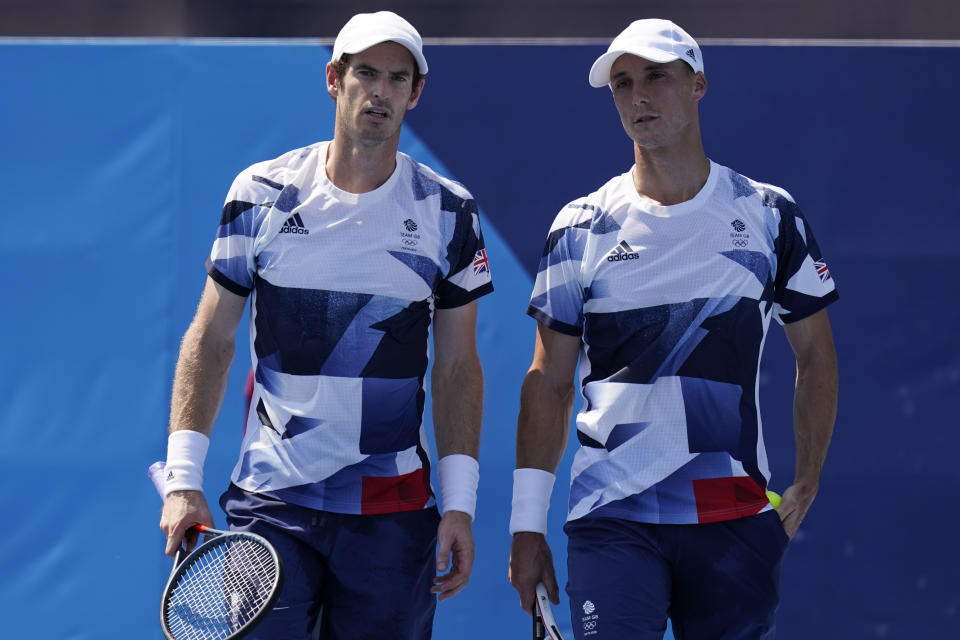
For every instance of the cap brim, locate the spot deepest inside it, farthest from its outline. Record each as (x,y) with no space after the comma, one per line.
(600,71)
(364,44)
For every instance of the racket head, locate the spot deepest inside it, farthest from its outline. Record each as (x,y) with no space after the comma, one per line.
(222,589)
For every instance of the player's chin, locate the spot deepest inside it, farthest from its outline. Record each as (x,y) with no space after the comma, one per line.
(377,132)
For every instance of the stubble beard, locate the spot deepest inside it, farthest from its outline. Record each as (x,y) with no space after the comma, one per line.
(646,140)
(371,135)
(352,128)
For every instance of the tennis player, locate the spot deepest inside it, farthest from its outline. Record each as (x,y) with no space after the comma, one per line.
(347,250)
(663,282)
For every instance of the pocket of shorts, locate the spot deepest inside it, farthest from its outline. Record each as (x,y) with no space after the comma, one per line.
(776,522)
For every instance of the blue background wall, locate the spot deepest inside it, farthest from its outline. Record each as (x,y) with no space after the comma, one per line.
(115,161)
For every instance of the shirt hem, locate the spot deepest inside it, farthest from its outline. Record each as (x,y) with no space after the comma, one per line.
(472,295)
(553,323)
(743,511)
(226,282)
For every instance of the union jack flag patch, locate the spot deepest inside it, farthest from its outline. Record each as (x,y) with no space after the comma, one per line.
(480,262)
(822,270)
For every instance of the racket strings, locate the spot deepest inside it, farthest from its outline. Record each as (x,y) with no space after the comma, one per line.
(221,591)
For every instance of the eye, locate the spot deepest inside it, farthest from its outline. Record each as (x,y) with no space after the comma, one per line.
(621,83)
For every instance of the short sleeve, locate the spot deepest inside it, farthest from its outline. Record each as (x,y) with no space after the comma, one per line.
(469,274)
(803,284)
(231,260)
(558,293)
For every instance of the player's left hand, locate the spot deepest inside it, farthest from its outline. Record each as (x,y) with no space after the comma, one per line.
(454,538)
(794,506)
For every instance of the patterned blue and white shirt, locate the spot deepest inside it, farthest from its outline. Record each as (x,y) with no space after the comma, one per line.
(672,304)
(344,286)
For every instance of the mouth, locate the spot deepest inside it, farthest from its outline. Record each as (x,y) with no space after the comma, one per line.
(644,119)
(378,114)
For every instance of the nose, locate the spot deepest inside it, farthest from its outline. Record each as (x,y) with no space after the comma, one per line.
(380,89)
(639,97)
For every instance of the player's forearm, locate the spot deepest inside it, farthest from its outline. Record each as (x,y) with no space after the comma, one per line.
(545,406)
(544,422)
(457,391)
(814,413)
(200,380)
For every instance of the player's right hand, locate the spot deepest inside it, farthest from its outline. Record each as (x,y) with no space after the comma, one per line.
(796,501)
(531,561)
(454,538)
(182,510)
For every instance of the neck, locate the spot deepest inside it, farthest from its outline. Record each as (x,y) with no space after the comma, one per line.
(358,168)
(669,176)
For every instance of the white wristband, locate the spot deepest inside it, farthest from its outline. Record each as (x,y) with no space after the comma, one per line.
(186,451)
(459,476)
(531,500)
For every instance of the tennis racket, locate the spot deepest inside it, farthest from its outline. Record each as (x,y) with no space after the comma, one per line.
(223,588)
(544,624)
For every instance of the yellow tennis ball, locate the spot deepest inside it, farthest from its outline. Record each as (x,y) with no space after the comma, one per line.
(774,498)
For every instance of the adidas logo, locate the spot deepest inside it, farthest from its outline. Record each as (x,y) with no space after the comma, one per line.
(622,252)
(691,55)
(294,224)
(169,476)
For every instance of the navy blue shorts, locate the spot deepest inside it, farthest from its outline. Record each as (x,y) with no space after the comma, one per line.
(716,581)
(361,576)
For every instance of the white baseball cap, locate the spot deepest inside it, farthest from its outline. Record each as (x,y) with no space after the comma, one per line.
(364,30)
(653,39)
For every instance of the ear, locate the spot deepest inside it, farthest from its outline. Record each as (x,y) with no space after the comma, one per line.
(333,88)
(699,86)
(417,91)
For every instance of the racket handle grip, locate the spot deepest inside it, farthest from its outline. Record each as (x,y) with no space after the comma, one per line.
(538,631)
